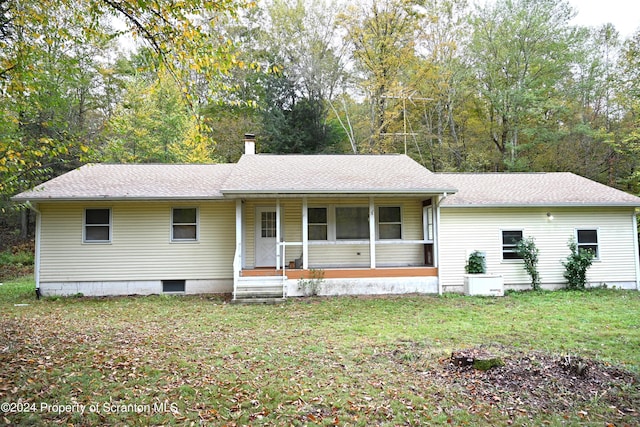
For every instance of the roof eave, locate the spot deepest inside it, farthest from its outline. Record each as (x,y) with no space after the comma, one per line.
(351,192)
(111,198)
(544,205)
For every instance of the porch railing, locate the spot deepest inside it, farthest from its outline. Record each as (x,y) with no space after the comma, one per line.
(237,266)
(283,257)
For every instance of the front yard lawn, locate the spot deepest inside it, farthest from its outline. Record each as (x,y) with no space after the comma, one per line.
(321,361)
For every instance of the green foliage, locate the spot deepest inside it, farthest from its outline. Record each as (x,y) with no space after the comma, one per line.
(528,250)
(476,264)
(576,266)
(310,286)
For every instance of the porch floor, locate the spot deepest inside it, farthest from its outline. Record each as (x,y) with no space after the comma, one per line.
(344,273)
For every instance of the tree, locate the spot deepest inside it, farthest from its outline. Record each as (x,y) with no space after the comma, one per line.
(628,97)
(52,57)
(383,40)
(520,49)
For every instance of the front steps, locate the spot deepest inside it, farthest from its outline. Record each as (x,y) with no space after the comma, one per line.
(259,290)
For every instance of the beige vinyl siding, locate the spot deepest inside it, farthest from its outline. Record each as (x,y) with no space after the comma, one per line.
(340,254)
(140,247)
(463,230)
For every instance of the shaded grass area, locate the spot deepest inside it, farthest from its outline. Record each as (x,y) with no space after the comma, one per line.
(16,261)
(324,361)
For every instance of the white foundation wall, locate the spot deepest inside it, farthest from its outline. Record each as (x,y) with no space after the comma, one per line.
(139,287)
(463,230)
(368,286)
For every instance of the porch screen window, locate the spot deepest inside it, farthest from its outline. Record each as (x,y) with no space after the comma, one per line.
(352,223)
(317,218)
(588,239)
(510,240)
(389,222)
(184,224)
(97,225)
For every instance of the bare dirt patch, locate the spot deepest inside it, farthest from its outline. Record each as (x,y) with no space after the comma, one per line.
(544,382)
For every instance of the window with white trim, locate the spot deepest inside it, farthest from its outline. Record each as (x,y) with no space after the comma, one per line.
(588,239)
(97,225)
(317,223)
(184,224)
(510,239)
(389,222)
(352,223)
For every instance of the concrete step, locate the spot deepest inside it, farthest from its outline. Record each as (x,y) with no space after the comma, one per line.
(258,301)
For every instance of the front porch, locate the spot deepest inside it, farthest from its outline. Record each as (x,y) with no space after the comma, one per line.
(354,245)
(272,283)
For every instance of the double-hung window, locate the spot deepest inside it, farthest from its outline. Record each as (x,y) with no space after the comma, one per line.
(97,225)
(389,222)
(184,224)
(318,224)
(588,239)
(510,239)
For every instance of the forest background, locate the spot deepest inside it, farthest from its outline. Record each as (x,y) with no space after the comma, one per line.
(507,86)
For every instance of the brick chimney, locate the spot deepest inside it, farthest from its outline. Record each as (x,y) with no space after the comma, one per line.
(249,144)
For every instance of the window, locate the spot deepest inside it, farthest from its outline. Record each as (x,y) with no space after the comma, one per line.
(97,225)
(510,240)
(184,224)
(317,218)
(352,223)
(268,224)
(173,285)
(588,239)
(389,222)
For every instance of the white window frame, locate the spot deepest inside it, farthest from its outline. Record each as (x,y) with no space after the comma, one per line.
(332,223)
(378,222)
(85,225)
(335,222)
(196,224)
(597,244)
(502,245)
(325,224)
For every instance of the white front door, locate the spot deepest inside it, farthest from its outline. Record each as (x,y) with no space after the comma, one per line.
(265,237)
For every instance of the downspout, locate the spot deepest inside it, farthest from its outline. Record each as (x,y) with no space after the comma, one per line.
(36,261)
(636,249)
(436,248)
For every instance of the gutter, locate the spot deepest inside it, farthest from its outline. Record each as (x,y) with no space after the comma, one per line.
(36,269)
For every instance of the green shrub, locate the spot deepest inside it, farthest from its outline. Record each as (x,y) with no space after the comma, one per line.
(528,250)
(476,263)
(576,266)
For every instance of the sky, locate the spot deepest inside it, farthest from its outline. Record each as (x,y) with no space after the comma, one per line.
(623,14)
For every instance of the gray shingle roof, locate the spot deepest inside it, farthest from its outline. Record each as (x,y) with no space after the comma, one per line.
(133,181)
(532,189)
(321,174)
(324,174)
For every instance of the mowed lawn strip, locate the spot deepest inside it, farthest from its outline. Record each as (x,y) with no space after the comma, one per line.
(319,361)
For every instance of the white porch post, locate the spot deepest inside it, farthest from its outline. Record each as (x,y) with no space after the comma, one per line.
(278,233)
(237,262)
(372,232)
(305,234)
(436,239)
(637,249)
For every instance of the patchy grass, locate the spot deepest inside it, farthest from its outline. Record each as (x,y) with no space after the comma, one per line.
(320,361)
(16,261)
